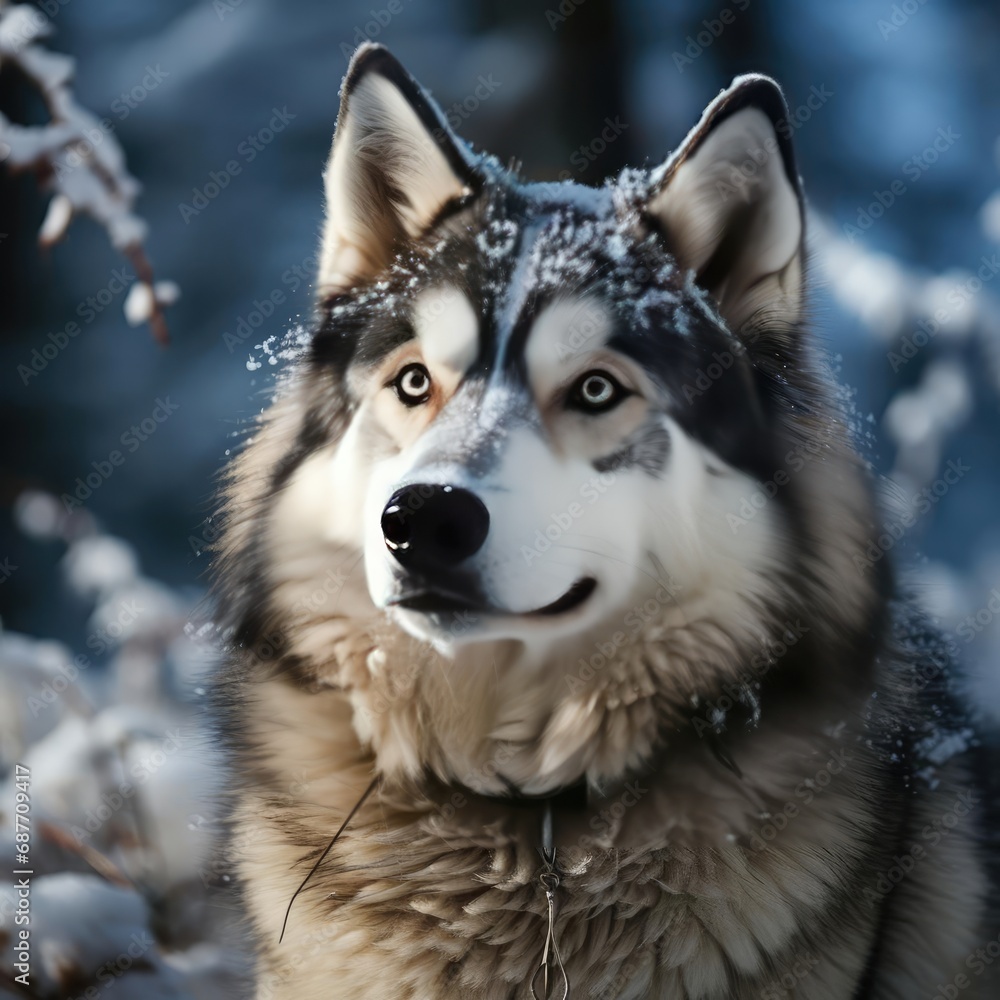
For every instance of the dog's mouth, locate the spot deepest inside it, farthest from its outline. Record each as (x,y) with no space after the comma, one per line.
(438,600)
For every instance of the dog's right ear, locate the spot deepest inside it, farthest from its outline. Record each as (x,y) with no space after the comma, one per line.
(729,204)
(394,170)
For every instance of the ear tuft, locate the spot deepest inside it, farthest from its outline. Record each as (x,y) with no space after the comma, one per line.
(729,203)
(395,167)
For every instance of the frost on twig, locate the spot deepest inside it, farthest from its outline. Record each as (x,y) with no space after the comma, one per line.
(77,159)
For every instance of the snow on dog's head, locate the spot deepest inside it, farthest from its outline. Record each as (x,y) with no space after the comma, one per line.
(533,422)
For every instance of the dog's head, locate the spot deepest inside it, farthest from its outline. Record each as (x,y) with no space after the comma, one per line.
(538,416)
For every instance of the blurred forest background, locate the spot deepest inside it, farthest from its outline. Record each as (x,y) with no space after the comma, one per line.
(896,119)
(185,85)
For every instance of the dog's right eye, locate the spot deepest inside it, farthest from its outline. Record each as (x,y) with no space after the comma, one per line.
(596,392)
(412,385)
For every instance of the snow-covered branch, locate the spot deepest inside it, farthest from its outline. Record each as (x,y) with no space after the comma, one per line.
(77,159)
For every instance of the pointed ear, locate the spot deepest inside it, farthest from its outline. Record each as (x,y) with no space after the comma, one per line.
(394,169)
(729,204)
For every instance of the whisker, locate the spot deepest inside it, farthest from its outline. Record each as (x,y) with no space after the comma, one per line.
(329,847)
(609,556)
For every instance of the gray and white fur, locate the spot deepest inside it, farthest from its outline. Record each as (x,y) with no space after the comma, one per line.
(488,553)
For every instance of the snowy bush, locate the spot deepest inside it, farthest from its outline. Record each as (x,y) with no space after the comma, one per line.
(122,784)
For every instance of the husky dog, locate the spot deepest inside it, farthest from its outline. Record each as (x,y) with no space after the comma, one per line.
(565,658)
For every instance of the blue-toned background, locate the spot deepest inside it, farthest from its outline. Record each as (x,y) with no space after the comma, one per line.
(871,85)
(105,649)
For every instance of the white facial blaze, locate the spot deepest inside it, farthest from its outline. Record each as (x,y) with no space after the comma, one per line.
(551,531)
(564,331)
(717,564)
(312,497)
(554,520)
(448,330)
(316,530)
(566,521)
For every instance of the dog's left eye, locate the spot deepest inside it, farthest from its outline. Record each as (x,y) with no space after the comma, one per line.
(412,385)
(596,392)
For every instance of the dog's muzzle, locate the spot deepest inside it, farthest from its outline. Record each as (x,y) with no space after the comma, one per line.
(430,531)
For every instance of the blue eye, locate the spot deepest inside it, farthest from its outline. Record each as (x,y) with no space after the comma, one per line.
(596,392)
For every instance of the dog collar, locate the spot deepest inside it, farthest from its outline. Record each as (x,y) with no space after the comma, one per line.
(569,798)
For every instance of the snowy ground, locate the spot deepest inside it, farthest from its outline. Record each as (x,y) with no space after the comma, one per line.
(121,784)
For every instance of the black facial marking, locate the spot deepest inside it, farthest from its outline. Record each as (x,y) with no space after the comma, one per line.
(358,336)
(519,248)
(514,359)
(647,449)
(337,333)
(710,386)
(316,430)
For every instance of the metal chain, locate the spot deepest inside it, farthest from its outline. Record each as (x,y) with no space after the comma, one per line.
(550,880)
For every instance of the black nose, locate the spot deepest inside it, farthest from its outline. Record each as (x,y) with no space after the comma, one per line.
(433,527)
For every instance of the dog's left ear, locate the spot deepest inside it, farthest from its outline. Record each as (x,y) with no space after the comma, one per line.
(394,169)
(729,205)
